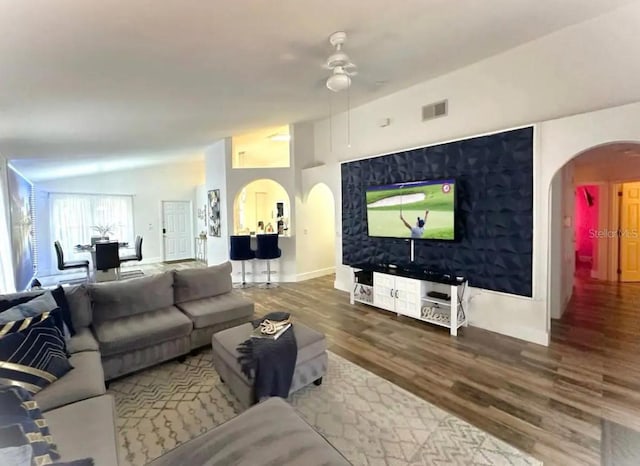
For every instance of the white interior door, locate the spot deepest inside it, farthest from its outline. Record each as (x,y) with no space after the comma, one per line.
(383,291)
(177,226)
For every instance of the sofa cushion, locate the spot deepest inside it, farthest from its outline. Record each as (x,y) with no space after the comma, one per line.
(192,284)
(83,340)
(79,305)
(141,330)
(215,310)
(85,380)
(113,300)
(86,429)
(270,432)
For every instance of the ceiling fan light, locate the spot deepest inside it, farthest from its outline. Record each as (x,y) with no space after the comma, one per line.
(338,82)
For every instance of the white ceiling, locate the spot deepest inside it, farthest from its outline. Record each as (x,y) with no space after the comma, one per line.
(83,80)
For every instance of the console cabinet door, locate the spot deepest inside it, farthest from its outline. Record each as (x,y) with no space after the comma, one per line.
(407,296)
(384,291)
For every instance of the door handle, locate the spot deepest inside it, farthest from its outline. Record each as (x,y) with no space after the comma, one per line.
(164,231)
(392,292)
(396,293)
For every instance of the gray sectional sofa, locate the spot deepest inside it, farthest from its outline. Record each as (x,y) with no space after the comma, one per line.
(125,326)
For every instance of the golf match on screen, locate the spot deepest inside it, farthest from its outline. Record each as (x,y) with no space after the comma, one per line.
(418,210)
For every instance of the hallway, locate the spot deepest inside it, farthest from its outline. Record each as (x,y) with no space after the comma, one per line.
(602,327)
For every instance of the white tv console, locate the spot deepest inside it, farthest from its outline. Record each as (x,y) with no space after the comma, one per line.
(407,292)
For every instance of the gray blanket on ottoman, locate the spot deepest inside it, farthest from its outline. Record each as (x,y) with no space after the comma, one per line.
(269,433)
(270,364)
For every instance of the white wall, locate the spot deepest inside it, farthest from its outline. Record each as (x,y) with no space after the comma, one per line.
(217,159)
(582,68)
(200,203)
(148,186)
(315,245)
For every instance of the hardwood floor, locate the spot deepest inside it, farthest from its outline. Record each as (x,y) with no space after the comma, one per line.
(548,402)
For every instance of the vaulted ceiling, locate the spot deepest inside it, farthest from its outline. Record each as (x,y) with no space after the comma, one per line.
(114,78)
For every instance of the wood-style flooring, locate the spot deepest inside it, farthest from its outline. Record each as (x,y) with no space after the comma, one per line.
(547,401)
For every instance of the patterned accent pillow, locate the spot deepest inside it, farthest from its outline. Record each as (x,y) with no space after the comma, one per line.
(36,306)
(30,435)
(33,357)
(82,462)
(17,402)
(58,295)
(61,300)
(16,456)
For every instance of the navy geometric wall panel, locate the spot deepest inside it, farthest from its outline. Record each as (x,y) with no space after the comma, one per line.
(494,215)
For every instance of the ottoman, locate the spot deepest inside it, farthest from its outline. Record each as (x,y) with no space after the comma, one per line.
(311,363)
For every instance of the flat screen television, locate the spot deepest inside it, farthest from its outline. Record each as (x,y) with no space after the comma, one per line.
(417,209)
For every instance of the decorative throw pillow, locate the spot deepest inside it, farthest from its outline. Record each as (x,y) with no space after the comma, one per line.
(82,462)
(33,357)
(9,303)
(36,306)
(61,299)
(17,402)
(16,456)
(32,436)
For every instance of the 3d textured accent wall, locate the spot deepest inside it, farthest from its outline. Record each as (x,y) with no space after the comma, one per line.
(494,216)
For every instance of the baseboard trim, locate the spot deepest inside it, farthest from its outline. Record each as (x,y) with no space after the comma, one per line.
(521,333)
(315,274)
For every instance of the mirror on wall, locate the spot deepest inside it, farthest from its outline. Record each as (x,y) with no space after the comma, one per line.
(262,206)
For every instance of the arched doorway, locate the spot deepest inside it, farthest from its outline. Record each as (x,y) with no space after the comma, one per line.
(316,226)
(594,223)
(262,206)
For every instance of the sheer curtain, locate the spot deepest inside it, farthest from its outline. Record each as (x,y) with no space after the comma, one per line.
(7,282)
(73,217)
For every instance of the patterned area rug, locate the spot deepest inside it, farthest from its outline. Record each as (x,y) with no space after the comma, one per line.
(368,419)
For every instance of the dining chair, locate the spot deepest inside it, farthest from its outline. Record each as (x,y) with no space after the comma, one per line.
(63,265)
(138,254)
(129,273)
(108,257)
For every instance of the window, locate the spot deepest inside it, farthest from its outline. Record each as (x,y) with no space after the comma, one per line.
(265,148)
(75,218)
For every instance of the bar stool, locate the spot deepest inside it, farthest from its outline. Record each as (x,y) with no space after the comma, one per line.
(268,250)
(241,251)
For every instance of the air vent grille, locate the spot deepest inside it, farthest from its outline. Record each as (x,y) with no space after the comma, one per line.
(435,110)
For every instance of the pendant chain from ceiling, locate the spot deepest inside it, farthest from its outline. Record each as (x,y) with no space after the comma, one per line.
(349,116)
(330,124)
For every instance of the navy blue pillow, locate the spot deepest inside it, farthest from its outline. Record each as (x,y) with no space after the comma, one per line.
(16,403)
(58,295)
(31,435)
(9,303)
(82,462)
(63,304)
(33,357)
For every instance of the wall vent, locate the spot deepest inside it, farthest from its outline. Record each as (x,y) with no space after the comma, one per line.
(435,110)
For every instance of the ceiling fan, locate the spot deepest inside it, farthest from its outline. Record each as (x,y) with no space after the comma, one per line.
(340,63)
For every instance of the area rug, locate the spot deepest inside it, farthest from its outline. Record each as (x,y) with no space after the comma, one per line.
(620,445)
(367,418)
